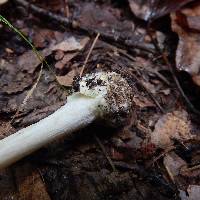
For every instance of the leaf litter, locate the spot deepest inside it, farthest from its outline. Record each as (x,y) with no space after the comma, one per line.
(78,165)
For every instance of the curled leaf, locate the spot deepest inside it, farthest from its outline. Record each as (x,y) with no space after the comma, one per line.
(186,23)
(153,9)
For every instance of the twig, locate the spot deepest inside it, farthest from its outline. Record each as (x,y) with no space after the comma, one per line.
(105,153)
(191,168)
(170,174)
(29,94)
(167,150)
(190,105)
(66,7)
(150,94)
(109,37)
(89,53)
(166,60)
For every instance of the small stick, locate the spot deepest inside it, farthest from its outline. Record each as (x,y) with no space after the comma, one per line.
(89,53)
(102,96)
(105,153)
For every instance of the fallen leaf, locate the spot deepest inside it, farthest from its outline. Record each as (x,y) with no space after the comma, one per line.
(29,61)
(16,82)
(94,16)
(140,8)
(43,37)
(106,19)
(142,102)
(194,192)
(68,79)
(13,78)
(29,183)
(3,1)
(67,57)
(153,9)
(173,163)
(190,173)
(196,79)
(8,190)
(174,125)
(116,155)
(186,23)
(59,55)
(5,129)
(70,44)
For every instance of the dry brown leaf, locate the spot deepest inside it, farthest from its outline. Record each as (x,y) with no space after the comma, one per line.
(142,102)
(5,129)
(67,57)
(174,125)
(59,55)
(30,184)
(8,190)
(70,44)
(15,79)
(29,61)
(186,23)
(67,80)
(43,37)
(190,173)
(106,19)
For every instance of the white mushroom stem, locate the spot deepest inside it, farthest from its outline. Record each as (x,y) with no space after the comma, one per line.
(82,108)
(72,116)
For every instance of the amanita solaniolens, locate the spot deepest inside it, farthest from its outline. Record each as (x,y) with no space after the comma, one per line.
(104,96)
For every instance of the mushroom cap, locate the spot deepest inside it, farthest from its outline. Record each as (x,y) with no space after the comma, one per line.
(114,94)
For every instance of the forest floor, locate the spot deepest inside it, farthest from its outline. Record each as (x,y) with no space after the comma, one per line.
(156,156)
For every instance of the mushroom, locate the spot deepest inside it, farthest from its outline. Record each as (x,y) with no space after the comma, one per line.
(103,96)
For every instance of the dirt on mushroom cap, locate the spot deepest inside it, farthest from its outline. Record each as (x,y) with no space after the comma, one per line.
(116,92)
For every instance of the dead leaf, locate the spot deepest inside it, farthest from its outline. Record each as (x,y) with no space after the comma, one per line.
(15,82)
(29,61)
(173,163)
(59,55)
(67,57)
(8,190)
(17,75)
(174,125)
(3,1)
(106,19)
(13,78)
(153,9)
(95,16)
(140,8)
(116,155)
(5,129)
(30,184)
(70,44)
(68,79)
(142,102)
(186,23)
(194,192)
(43,37)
